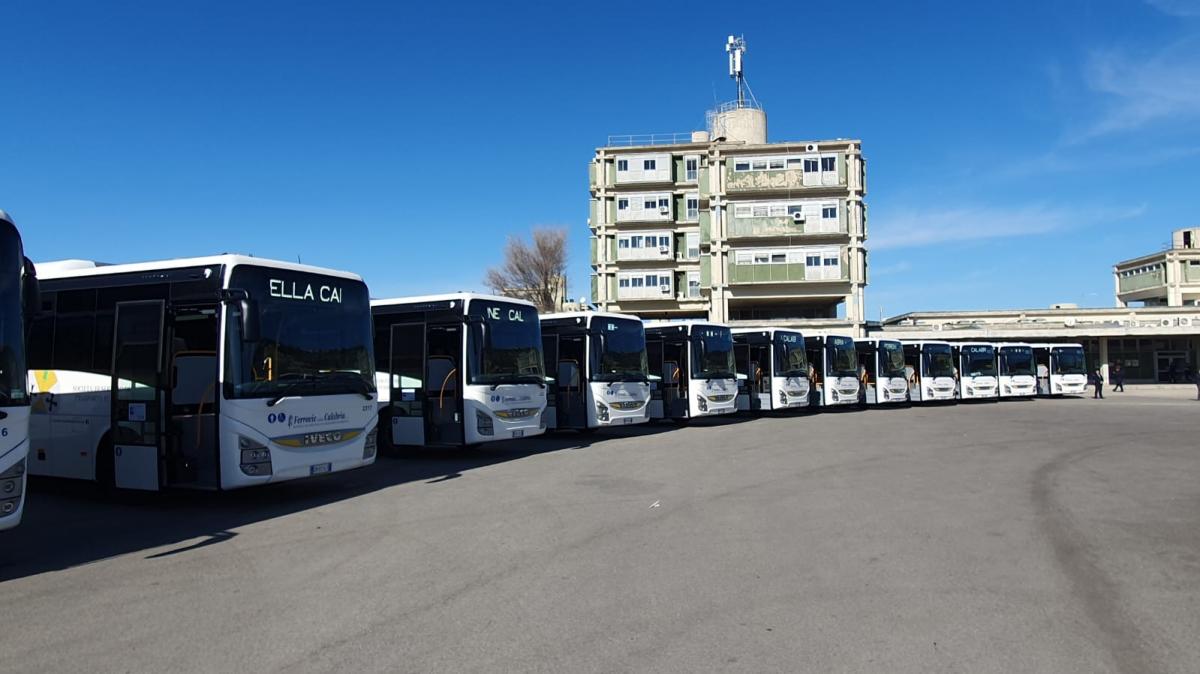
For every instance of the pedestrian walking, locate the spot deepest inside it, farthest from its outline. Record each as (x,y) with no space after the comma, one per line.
(1098,380)
(1118,378)
(1197,375)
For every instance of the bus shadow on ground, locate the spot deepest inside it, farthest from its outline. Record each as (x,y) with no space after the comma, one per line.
(68,523)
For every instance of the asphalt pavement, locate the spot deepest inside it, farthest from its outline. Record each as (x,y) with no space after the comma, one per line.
(1047,536)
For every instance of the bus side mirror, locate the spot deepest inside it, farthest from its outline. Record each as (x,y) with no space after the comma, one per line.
(31,296)
(251,327)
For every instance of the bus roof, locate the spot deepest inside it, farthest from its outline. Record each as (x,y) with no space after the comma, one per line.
(772,331)
(445,297)
(56,269)
(650,325)
(587,314)
(1055,345)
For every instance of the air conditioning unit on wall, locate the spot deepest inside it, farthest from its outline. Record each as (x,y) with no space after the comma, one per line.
(798,218)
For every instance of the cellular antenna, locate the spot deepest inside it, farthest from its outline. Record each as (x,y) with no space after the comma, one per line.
(736,47)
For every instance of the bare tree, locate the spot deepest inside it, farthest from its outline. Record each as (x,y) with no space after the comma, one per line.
(533,271)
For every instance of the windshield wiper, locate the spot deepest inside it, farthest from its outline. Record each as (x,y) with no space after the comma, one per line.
(520,379)
(287,390)
(360,387)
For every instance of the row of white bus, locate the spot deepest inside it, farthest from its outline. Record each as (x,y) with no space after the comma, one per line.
(228,371)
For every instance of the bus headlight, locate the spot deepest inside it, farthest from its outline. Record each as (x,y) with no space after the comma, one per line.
(483,424)
(256,458)
(702,403)
(11,486)
(601,411)
(369,444)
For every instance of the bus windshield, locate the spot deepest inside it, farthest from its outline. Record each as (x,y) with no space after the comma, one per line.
(891,359)
(12,331)
(791,360)
(1018,360)
(622,345)
(979,360)
(505,344)
(1069,360)
(843,357)
(713,346)
(315,336)
(938,361)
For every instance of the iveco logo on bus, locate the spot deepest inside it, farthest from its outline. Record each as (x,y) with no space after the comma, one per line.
(325,438)
(290,290)
(496,314)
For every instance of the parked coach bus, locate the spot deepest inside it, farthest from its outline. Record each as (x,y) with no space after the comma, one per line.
(18,299)
(977,367)
(932,375)
(458,369)
(1018,370)
(1061,369)
(213,372)
(884,379)
(834,361)
(772,369)
(597,370)
(693,362)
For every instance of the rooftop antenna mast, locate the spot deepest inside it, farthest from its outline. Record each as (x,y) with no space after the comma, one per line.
(736,47)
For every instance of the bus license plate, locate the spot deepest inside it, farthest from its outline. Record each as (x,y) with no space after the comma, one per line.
(320,468)
(518,434)
(627,420)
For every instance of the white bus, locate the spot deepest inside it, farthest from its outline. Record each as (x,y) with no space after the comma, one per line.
(458,370)
(597,370)
(978,371)
(211,372)
(1061,369)
(834,363)
(772,369)
(18,299)
(881,362)
(1018,370)
(932,375)
(693,364)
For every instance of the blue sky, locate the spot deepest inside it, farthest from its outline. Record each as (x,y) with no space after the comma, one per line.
(1015,150)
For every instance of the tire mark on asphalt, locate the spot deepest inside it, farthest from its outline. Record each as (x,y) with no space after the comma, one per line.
(1126,644)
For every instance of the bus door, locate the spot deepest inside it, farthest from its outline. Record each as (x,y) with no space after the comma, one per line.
(1042,359)
(913,361)
(868,362)
(192,448)
(409,400)
(741,364)
(571,381)
(758,378)
(137,400)
(674,379)
(815,352)
(443,374)
(549,360)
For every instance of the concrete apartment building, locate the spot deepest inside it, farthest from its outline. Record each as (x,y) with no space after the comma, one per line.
(724,225)
(1169,278)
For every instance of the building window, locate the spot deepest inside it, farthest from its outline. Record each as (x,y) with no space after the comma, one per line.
(649,204)
(693,206)
(622,164)
(829,212)
(691,169)
(693,284)
(741,211)
(649,164)
(794,162)
(622,243)
(622,204)
(693,246)
(810,166)
(828,164)
(795,209)
(776,164)
(741,165)
(758,164)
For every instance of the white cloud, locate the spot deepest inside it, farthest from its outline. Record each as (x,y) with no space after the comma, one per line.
(973,223)
(1176,7)
(1142,89)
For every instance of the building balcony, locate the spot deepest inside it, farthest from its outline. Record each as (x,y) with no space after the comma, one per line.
(743,182)
(784,226)
(1137,282)
(797,272)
